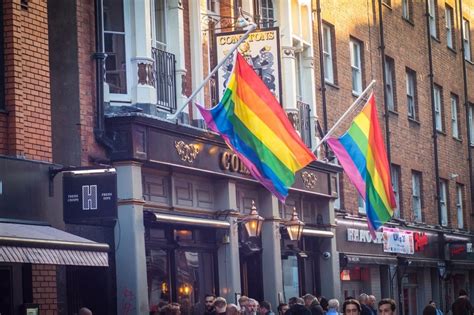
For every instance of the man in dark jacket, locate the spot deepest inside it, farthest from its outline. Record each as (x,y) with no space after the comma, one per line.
(297,307)
(313,305)
(364,300)
(462,305)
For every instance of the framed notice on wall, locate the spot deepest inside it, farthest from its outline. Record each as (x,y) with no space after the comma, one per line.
(398,241)
(261,50)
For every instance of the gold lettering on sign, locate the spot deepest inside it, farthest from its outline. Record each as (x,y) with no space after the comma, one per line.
(231,162)
(187,152)
(254,37)
(309,179)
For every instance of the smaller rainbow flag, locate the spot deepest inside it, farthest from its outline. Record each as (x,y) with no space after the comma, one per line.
(256,128)
(361,152)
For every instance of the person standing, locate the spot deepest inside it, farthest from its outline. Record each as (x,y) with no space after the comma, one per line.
(438,311)
(387,307)
(333,307)
(429,310)
(266,308)
(351,307)
(297,307)
(282,308)
(209,304)
(462,305)
(252,307)
(364,300)
(313,305)
(372,304)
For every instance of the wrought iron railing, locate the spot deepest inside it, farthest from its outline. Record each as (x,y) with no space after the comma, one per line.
(304,122)
(165,79)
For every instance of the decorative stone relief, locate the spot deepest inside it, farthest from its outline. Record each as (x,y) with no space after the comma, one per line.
(309,179)
(187,152)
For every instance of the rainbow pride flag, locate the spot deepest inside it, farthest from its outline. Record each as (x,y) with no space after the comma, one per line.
(361,152)
(256,128)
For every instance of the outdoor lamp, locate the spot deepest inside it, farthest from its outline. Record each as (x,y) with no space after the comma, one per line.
(253,222)
(294,227)
(185,289)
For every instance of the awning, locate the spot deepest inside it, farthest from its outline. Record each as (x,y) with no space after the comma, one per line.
(317,233)
(192,221)
(40,244)
(370,260)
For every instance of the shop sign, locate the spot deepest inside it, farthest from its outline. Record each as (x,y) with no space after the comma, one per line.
(460,251)
(363,236)
(261,50)
(421,241)
(398,241)
(231,162)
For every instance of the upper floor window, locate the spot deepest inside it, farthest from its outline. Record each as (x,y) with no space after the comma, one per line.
(395,175)
(438,106)
(449,16)
(471,124)
(466,38)
(361,205)
(267,13)
(416,195)
(356,65)
(212,5)
(459,206)
(328,53)
(114,46)
(2,65)
(390,91)
(432,11)
(411,94)
(455,116)
(407,10)
(443,201)
(159,23)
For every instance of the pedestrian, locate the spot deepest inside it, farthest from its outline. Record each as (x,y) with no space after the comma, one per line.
(387,307)
(429,310)
(313,305)
(364,300)
(220,305)
(351,307)
(252,307)
(324,303)
(438,311)
(333,307)
(282,308)
(462,305)
(243,301)
(85,311)
(232,309)
(372,304)
(209,304)
(298,307)
(266,308)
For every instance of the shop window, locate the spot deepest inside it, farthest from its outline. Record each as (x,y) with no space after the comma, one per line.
(354,281)
(291,282)
(158,277)
(410,293)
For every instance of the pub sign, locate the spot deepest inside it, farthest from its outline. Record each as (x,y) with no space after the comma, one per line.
(90,196)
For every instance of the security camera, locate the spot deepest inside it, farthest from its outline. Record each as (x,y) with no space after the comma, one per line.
(326,255)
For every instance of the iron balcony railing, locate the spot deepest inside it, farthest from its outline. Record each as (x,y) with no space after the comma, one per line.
(305,122)
(165,78)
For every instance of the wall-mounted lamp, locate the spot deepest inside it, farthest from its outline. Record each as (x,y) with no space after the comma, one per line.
(185,289)
(253,222)
(294,227)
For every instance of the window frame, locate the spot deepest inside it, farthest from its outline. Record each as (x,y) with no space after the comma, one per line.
(357,64)
(460,206)
(416,189)
(395,172)
(265,21)
(328,55)
(454,100)
(449,17)
(407,10)
(433,18)
(361,204)
(466,39)
(471,124)
(411,88)
(443,202)
(390,80)
(154,42)
(438,107)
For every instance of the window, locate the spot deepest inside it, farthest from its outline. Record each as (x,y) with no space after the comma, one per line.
(407,10)
(432,11)
(471,124)
(459,206)
(454,116)
(411,94)
(449,16)
(356,65)
(159,24)
(390,83)
(395,175)
(212,5)
(466,38)
(114,45)
(328,53)
(416,195)
(267,13)
(438,106)
(361,205)
(443,202)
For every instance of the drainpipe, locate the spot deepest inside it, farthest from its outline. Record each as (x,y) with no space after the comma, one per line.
(433,115)
(384,81)
(99,56)
(322,72)
(466,106)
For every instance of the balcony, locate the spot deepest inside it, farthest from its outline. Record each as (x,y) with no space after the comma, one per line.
(165,79)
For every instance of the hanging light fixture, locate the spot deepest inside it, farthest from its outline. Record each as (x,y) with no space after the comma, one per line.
(253,222)
(294,227)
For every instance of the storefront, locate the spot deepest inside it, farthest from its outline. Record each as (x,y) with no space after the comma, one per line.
(191,198)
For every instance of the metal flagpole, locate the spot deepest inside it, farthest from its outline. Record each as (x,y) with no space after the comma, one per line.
(252,27)
(348,111)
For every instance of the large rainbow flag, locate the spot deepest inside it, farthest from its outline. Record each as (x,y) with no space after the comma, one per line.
(361,152)
(256,128)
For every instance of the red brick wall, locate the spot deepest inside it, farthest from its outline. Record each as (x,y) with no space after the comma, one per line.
(44,288)
(411,143)
(26,130)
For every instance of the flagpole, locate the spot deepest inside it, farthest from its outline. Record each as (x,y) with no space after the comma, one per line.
(252,27)
(348,111)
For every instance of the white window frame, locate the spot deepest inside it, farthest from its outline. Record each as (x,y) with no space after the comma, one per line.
(410,92)
(154,41)
(395,176)
(471,124)
(459,206)
(416,196)
(355,48)
(454,116)
(389,86)
(432,15)
(443,202)
(438,107)
(406,10)
(265,12)
(361,205)
(328,54)
(449,27)
(466,38)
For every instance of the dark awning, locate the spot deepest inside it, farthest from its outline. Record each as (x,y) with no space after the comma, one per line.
(370,260)
(317,233)
(187,220)
(40,244)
